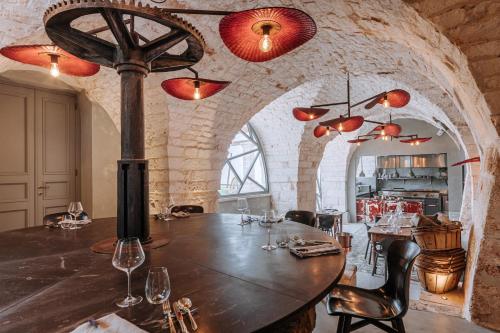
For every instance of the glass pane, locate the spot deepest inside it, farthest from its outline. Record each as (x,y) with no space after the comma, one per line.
(229,184)
(250,187)
(258,172)
(243,163)
(240,145)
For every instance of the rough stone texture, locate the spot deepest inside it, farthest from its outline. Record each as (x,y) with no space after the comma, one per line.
(188,141)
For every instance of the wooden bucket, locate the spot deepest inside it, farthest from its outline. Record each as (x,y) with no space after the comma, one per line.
(439,239)
(437,282)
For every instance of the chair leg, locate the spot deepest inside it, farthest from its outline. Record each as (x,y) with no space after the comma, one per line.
(366,251)
(400,327)
(347,324)
(375,264)
(385,268)
(340,326)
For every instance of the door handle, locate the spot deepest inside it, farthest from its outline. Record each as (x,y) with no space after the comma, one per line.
(42,187)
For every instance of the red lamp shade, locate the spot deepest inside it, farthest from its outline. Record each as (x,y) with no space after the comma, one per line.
(345,124)
(319,131)
(470,160)
(307,114)
(357,140)
(284,29)
(416,141)
(42,55)
(392,129)
(184,87)
(396,98)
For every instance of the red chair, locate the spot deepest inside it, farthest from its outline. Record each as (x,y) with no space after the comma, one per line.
(374,208)
(360,210)
(413,207)
(390,206)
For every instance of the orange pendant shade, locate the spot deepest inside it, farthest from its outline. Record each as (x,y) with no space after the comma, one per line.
(396,98)
(392,129)
(40,55)
(345,124)
(263,34)
(357,140)
(416,140)
(185,87)
(319,131)
(307,114)
(470,160)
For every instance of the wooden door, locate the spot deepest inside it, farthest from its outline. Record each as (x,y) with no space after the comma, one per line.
(17,206)
(55,153)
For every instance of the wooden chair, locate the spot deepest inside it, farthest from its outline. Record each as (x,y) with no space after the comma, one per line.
(301,216)
(188,209)
(326,223)
(373,306)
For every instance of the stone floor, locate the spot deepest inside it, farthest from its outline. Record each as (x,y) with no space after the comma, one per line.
(415,321)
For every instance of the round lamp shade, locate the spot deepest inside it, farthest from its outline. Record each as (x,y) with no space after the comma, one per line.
(415,140)
(40,55)
(357,140)
(319,131)
(307,114)
(184,87)
(397,98)
(345,124)
(287,28)
(392,129)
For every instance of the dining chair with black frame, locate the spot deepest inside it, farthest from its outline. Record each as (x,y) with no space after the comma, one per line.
(374,306)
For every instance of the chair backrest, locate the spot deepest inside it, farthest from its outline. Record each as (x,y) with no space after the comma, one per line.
(325,221)
(188,209)
(301,216)
(367,227)
(400,257)
(56,217)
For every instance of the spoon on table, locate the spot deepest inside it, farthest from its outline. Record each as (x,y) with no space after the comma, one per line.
(186,304)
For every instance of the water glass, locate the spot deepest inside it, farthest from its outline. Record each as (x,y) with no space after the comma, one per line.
(128,256)
(282,237)
(157,285)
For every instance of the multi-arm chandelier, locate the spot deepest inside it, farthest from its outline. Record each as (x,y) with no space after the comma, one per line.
(346,123)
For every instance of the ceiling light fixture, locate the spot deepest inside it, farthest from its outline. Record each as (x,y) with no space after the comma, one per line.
(196,88)
(51,57)
(345,122)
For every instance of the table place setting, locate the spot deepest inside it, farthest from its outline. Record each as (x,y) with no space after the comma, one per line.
(313,248)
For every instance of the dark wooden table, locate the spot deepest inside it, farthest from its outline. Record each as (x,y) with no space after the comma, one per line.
(51,281)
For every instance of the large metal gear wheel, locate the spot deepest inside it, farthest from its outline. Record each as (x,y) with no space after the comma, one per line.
(59,17)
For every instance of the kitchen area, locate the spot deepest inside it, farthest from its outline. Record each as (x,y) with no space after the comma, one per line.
(419,181)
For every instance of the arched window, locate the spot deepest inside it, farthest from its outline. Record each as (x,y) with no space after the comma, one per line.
(245,169)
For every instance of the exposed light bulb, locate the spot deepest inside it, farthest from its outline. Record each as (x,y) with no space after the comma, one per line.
(328,131)
(196,94)
(311,116)
(54,65)
(412,143)
(386,103)
(358,144)
(417,143)
(341,128)
(265,44)
(382,132)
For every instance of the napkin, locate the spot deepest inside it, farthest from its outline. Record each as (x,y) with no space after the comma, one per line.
(111,323)
(304,251)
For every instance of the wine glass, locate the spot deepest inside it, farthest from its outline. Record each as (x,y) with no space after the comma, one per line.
(157,285)
(242,206)
(269,219)
(282,239)
(128,256)
(75,208)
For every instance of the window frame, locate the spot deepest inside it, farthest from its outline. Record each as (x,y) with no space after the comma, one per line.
(253,137)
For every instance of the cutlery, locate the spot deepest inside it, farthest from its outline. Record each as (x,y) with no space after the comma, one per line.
(178,315)
(186,304)
(167,311)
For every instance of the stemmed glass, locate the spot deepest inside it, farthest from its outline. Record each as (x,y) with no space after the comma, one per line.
(128,256)
(75,208)
(157,285)
(242,206)
(269,219)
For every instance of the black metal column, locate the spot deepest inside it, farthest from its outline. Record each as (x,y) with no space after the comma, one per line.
(133,178)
